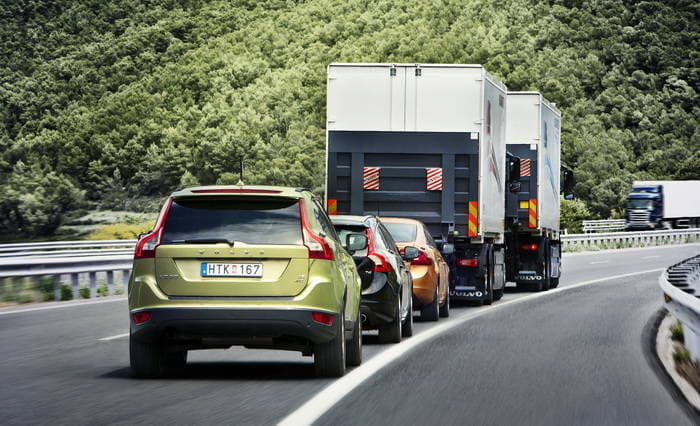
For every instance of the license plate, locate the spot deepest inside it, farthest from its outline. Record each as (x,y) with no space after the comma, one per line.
(250,270)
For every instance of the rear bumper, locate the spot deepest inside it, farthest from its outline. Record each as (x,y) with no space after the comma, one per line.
(230,326)
(378,308)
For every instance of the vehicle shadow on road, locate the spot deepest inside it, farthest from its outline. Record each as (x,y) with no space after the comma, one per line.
(264,370)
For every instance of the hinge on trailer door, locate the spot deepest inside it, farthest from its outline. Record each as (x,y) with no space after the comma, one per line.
(419,72)
(392,72)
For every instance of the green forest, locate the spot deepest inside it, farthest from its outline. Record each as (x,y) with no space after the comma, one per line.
(113,104)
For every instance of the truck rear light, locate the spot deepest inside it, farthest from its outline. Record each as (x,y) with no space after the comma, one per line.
(422,259)
(332,207)
(141,317)
(473,263)
(318,247)
(530,247)
(146,245)
(380,263)
(322,317)
(235,191)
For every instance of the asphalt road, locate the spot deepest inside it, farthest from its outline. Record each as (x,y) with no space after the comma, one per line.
(570,357)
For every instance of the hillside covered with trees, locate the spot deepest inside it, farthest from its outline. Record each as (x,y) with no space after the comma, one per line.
(112,104)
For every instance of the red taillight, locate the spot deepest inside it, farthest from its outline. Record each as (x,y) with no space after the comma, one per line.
(422,259)
(318,247)
(235,191)
(322,317)
(140,317)
(146,245)
(380,263)
(468,262)
(530,247)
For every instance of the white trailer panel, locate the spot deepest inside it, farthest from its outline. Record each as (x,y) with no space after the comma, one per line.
(429,98)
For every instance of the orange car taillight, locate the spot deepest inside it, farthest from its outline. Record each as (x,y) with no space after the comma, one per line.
(318,247)
(146,245)
(468,262)
(422,259)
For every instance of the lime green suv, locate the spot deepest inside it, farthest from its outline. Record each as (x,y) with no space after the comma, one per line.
(260,267)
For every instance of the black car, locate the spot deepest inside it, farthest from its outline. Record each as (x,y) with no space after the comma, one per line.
(387,286)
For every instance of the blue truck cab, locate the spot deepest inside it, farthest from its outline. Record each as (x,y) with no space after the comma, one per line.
(644,208)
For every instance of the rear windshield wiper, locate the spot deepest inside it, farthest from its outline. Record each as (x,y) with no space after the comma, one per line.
(204,241)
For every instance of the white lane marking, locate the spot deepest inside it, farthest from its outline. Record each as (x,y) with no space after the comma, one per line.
(324,400)
(62,305)
(599,262)
(650,257)
(118,336)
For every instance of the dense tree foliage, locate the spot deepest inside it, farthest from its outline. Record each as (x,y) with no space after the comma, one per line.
(127,99)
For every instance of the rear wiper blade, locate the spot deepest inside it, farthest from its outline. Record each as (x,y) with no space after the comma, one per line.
(208,241)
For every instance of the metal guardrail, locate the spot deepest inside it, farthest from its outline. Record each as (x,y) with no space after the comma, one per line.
(680,284)
(603,225)
(65,262)
(84,263)
(629,239)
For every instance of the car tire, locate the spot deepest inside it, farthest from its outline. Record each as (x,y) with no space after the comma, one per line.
(353,347)
(407,329)
(329,357)
(431,311)
(174,361)
(146,359)
(445,307)
(391,332)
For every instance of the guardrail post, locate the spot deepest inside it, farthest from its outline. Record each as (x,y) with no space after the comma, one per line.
(110,283)
(93,284)
(126,275)
(74,281)
(56,279)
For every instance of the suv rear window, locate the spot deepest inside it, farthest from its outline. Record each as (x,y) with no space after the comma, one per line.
(251,221)
(401,232)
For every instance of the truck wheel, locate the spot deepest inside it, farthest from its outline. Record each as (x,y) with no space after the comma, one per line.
(391,332)
(407,329)
(489,280)
(146,359)
(445,307)
(329,357)
(353,347)
(553,282)
(431,311)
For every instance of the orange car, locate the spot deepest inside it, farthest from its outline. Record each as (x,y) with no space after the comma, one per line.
(429,270)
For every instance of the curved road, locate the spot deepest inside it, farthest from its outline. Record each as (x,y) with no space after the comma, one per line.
(570,356)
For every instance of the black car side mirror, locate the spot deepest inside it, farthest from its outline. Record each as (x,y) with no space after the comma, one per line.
(355,242)
(410,253)
(143,234)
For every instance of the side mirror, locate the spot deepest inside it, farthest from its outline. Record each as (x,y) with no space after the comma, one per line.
(448,248)
(355,242)
(410,253)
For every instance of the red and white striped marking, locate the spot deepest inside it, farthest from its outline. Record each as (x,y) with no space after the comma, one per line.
(524,167)
(370,178)
(434,178)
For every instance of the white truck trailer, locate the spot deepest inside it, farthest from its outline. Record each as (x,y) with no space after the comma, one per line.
(533,141)
(663,204)
(427,142)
